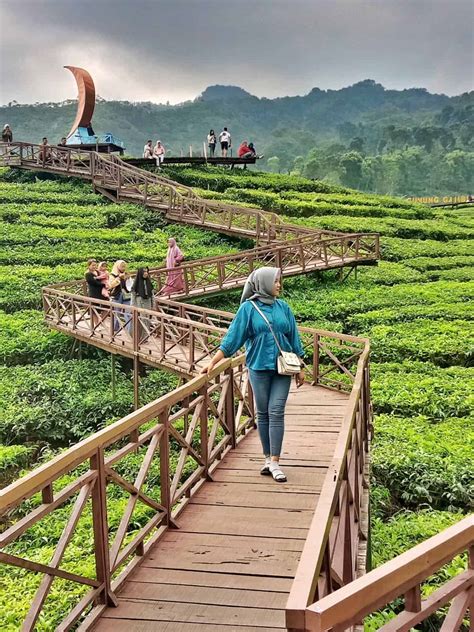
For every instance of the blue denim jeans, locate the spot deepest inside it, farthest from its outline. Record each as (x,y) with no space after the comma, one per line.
(271,392)
(127,316)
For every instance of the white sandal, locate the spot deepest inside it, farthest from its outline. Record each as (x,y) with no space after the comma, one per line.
(278,475)
(266,469)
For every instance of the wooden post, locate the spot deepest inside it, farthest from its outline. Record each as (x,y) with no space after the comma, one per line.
(136,382)
(190,151)
(101,529)
(413,599)
(229,408)
(315,359)
(112,356)
(203,421)
(47,494)
(164,465)
(136,360)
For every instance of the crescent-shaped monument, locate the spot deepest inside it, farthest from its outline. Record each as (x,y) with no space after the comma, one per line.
(86,99)
(81,134)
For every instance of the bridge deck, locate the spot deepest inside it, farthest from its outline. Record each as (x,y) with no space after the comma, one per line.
(231,563)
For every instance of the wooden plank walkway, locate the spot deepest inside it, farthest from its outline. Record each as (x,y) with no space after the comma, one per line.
(231,563)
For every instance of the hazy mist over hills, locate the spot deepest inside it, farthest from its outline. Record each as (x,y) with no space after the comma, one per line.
(364,118)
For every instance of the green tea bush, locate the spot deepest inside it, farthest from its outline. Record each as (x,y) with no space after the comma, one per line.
(424,264)
(60,402)
(344,301)
(352,197)
(407,313)
(465,273)
(25,338)
(219,179)
(52,193)
(295,207)
(441,342)
(425,464)
(388,273)
(396,249)
(12,459)
(406,530)
(393,227)
(420,388)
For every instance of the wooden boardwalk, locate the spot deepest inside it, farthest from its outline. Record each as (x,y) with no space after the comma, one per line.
(231,563)
(223,548)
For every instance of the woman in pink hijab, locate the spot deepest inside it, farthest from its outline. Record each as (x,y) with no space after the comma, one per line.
(174,278)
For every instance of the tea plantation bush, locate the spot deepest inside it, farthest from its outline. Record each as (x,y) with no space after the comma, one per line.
(416,307)
(425,463)
(397,535)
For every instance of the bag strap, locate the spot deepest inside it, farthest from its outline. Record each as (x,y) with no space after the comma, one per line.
(268,323)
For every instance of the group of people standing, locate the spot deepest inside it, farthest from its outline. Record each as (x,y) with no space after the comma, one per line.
(118,285)
(246,150)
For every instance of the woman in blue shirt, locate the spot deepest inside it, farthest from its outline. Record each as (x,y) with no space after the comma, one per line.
(270,388)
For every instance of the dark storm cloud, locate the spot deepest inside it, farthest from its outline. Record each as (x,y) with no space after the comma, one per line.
(171,50)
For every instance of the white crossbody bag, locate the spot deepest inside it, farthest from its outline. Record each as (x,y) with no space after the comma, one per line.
(288,363)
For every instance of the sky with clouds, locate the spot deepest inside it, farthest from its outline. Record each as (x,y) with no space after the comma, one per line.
(171,50)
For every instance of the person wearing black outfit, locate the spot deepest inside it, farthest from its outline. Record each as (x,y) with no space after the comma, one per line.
(142,289)
(7,134)
(94,286)
(142,296)
(94,290)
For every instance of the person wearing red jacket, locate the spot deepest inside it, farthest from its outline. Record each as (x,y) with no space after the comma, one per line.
(246,150)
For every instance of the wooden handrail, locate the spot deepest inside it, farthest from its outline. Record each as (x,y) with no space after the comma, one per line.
(350,604)
(151,427)
(181,203)
(29,484)
(338,509)
(340,505)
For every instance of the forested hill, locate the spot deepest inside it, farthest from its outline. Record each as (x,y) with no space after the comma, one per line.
(311,134)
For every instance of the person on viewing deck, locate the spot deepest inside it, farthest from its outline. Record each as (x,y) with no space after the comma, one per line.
(174,278)
(62,142)
(159,153)
(119,292)
(45,150)
(7,134)
(103,276)
(148,149)
(142,289)
(211,142)
(94,285)
(225,141)
(270,388)
(246,150)
(94,289)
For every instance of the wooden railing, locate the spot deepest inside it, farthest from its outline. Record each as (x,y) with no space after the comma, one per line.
(297,256)
(123,182)
(333,554)
(179,336)
(153,336)
(403,577)
(196,423)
